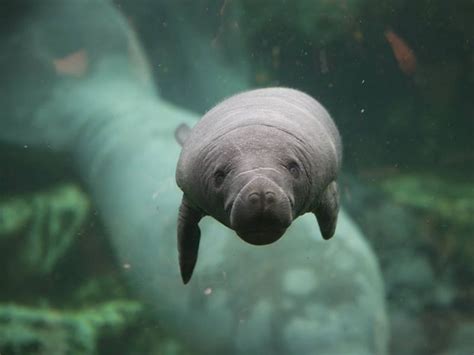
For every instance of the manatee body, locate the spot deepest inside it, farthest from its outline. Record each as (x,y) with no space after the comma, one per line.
(255,162)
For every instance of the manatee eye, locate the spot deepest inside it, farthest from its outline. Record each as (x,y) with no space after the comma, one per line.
(294,169)
(219,177)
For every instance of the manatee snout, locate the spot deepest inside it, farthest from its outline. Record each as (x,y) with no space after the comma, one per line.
(261,212)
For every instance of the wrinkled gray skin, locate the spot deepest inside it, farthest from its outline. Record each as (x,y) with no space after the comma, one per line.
(256,162)
(298,296)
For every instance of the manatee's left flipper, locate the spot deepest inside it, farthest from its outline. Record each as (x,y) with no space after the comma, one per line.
(327,209)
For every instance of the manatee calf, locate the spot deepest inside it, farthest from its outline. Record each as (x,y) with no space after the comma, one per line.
(255,162)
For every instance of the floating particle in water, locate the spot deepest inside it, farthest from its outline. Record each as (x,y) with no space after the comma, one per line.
(323,61)
(362,110)
(126,266)
(207,291)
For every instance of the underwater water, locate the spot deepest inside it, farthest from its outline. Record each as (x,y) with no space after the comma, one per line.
(91,95)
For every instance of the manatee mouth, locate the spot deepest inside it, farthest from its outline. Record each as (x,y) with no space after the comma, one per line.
(261,212)
(261,236)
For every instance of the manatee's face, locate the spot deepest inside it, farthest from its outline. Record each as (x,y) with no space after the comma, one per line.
(257,185)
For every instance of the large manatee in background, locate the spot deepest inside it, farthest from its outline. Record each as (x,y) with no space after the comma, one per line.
(297,296)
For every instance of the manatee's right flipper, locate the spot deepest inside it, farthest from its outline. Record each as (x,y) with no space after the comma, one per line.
(327,209)
(189,235)
(181,133)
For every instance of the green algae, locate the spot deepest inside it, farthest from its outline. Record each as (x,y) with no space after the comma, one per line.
(449,199)
(45,224)
(28,330)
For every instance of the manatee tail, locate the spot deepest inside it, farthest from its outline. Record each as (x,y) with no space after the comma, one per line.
(181,133)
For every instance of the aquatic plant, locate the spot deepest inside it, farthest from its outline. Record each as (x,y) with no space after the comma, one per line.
(44,224)
(446,209)
(449,199)
(48,331)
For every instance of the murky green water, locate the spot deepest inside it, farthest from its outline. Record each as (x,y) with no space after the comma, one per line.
(91,95)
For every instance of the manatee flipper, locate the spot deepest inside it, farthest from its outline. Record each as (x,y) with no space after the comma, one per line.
(181,133)
(189,236)
(327,210)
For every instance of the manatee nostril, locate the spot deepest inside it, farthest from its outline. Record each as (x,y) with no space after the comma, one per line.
(254,198)
(269,197)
